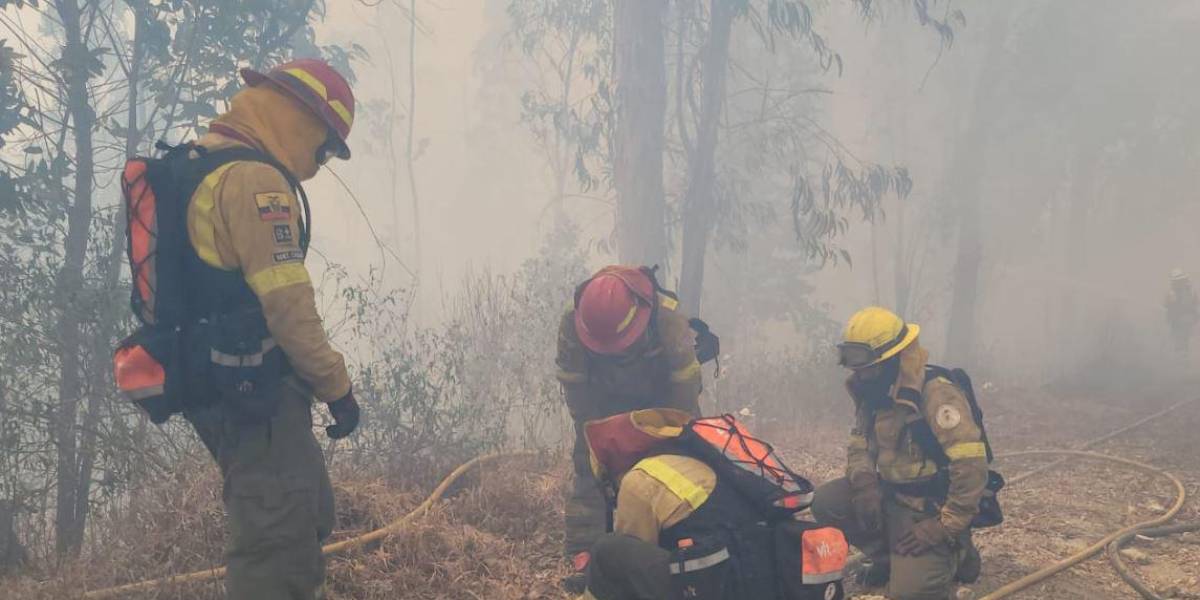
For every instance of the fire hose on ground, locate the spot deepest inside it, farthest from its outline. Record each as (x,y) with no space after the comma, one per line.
(1113,541)
(334,548)
(1114,554)
(1066,563)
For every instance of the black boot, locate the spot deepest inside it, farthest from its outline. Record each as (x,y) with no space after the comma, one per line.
(970,564)
(873,573)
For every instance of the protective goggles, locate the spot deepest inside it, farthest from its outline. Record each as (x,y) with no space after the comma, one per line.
(856,355)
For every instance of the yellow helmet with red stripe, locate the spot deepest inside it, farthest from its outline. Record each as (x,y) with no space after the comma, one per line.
(321,88)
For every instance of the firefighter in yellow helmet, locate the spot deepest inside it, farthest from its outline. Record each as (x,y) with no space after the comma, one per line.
(245,226)
(908,514)
(1181,310)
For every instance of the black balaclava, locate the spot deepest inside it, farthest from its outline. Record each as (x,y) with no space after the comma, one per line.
(876,391)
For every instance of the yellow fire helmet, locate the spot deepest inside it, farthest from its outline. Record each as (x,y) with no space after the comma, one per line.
(873,335)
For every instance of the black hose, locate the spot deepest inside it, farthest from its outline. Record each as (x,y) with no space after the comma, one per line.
(1127,574)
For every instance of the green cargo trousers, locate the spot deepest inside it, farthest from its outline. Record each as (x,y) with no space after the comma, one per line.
(585,518)
(929,576)
(626,568)
(278,498)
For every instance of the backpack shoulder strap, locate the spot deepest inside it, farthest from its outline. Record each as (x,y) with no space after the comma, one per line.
(209,160)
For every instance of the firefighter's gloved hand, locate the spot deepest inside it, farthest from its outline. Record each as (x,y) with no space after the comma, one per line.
(924,536)
(868,507)
(345,416)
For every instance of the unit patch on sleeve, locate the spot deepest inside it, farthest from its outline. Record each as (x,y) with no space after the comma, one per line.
(948,417)
(273,206)
(283,235)
(289,256)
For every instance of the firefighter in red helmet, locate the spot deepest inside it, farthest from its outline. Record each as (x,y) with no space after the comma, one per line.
(623,345)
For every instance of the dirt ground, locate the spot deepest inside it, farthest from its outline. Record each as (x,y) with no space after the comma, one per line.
(498,534)
(1049,516)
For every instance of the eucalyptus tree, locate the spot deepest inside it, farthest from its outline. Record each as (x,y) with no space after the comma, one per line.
(103,79)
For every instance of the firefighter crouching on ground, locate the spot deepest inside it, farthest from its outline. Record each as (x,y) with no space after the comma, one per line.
(894,504)
(629,564)
(1182,311)
(706,512)
(624,345)
(244,220)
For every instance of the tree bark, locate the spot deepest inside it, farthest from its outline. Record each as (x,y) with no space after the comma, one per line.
(68,524)
(700,202)
(902,267)
(965,174)
(640,75)
(960,341)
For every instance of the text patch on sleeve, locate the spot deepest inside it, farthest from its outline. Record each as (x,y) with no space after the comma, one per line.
(289,256)
(283,235)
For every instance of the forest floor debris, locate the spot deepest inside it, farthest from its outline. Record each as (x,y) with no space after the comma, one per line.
(499,532)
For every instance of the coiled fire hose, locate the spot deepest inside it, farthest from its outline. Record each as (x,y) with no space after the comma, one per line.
(355,542)
(1113,538)
(1114,554)
(1066,563)
(1113,541)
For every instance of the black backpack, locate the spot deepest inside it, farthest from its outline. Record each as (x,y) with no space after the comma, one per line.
(708,345)
(154,367)
(777,555)
(989,505)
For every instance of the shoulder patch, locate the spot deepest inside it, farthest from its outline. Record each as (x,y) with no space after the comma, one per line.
(283,234)
(273,206)
(947,417)
(668,302)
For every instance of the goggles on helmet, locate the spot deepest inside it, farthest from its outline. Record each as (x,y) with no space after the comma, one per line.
(857,355)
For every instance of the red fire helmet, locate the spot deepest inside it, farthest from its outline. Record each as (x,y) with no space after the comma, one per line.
(613,309)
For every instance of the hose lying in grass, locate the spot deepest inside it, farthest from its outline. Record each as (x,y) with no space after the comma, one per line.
(1070,561)
(355,542)
(1114,554)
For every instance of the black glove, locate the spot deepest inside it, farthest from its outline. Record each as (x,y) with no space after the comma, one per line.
(345,416)
(868,507)
(923,537)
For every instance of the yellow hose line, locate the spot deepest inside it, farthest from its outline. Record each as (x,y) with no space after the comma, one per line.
(362,540)
(1043,574)
(1100,440)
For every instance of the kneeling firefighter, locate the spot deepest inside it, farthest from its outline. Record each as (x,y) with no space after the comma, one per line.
(624,344)
(704,511)
(230,332)
(917,475)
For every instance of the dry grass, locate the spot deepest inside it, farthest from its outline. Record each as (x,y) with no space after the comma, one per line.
(497,534)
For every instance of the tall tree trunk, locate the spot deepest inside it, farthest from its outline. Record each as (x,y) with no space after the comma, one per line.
(68,526)
(640,74)
(902,266)
(960,339)
(966,171)
(700,202)
(409,158)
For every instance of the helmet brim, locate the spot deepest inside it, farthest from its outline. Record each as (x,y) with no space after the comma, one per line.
(625,340)
(254,78)
(913,331)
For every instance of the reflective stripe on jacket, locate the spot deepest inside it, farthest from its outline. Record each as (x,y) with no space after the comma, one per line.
(244,217)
